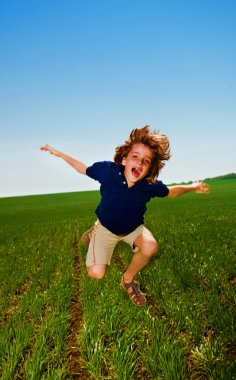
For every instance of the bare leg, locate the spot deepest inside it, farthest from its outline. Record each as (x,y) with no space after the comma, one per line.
(97,271)
(147,248)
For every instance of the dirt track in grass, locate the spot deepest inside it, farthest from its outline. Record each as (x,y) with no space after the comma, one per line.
(193,368)
(14,304)
(75,365)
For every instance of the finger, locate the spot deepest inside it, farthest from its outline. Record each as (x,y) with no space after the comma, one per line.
(45,147)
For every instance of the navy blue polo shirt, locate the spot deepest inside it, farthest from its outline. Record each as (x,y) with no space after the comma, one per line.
(122,208)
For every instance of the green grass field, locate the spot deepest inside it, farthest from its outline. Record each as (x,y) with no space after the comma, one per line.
(56,323)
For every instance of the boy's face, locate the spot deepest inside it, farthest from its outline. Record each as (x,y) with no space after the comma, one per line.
(137,163)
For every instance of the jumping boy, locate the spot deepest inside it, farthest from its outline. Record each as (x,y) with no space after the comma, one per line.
(127,184)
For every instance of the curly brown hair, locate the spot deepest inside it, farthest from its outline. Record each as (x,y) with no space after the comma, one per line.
(155,141)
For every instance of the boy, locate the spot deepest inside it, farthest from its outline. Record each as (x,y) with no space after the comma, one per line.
(127,184)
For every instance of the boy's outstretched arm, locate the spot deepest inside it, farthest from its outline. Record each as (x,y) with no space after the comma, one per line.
(196,187)
(77,165)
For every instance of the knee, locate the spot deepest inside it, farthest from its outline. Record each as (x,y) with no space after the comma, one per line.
(150,249)
(153,248)
(96,273)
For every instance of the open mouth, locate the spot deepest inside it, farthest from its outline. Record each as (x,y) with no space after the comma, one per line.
(136,172)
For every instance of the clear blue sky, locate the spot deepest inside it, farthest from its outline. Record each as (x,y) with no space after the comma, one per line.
(80,75)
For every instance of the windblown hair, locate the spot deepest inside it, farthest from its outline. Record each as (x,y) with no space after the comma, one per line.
(155,141)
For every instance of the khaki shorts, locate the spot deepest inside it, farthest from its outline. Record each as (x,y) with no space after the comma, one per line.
(103,242)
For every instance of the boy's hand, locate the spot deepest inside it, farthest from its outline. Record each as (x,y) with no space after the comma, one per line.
(201,187)
(76,164)
(48,148)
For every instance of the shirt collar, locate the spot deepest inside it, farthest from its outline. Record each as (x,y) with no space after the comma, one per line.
(122,180)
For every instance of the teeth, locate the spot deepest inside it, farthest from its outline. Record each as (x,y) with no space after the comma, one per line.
(137,170)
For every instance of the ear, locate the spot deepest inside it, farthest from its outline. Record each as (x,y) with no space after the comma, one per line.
(123,162)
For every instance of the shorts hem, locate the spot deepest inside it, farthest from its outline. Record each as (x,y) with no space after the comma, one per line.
(90,265)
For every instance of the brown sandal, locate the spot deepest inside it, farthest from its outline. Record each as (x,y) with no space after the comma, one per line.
(136,296)
(85,238)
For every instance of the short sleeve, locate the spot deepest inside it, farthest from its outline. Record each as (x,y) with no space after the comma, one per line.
(100,171)
(159,189)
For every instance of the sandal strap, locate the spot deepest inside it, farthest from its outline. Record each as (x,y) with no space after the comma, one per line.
(135,293)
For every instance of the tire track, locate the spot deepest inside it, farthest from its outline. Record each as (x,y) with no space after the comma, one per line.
(28,350)
(74,358)
(141,371)
(15,302)
(194,369)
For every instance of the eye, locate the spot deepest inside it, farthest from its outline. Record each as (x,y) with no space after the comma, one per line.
(147,162)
